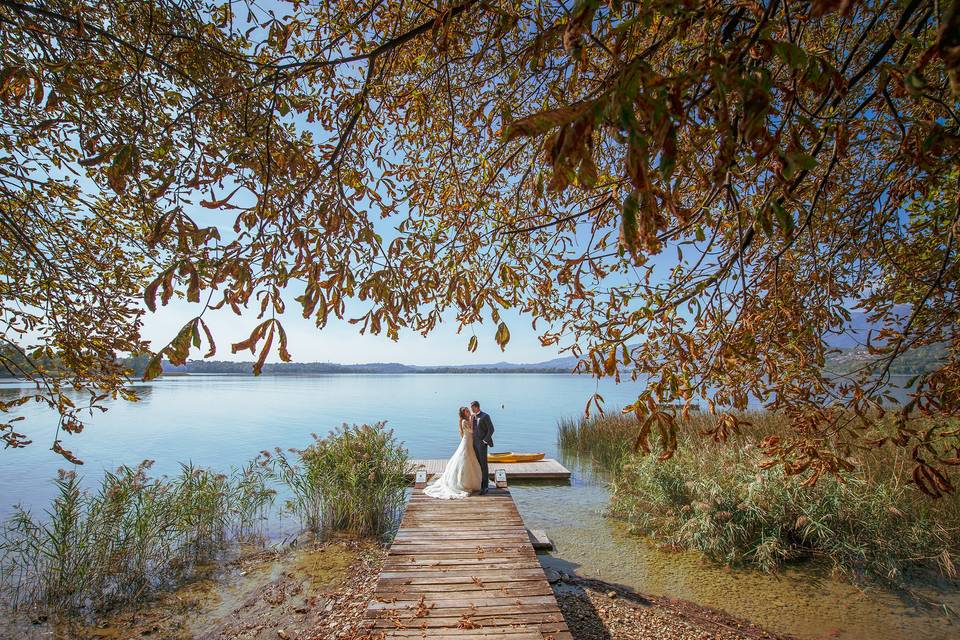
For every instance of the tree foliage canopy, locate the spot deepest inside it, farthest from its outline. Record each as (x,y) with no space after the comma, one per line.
(697,192)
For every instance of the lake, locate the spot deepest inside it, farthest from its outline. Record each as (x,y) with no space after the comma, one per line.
(220,421)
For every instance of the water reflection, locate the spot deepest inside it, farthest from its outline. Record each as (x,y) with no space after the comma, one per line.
(13,389)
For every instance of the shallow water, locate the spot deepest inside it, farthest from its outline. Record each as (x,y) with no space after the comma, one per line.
(219,421)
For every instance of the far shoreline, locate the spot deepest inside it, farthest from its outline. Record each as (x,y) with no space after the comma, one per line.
(305,374)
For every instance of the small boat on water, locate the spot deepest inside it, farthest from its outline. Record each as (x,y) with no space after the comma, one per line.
(512,456)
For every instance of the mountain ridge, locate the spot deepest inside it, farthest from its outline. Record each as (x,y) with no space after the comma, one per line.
(555,365)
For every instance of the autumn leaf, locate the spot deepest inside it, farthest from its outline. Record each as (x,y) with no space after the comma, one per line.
(539,123)
(218,204)
(154,367)
(502,336)
(258,365)
(212,350)
(150,293)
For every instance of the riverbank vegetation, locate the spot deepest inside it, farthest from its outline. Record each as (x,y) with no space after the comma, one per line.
(132,535)
(135,534)
(713,498)
(354,481)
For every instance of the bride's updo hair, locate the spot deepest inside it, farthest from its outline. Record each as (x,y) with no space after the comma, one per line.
(464,413)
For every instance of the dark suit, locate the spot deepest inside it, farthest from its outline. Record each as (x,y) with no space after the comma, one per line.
(482,438)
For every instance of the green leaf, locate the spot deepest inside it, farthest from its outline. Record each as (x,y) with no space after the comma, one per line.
(792,55)
(765,220)
(587,176)
(797,161)
(629,230)
(178,350)
(668,155)
(784,218)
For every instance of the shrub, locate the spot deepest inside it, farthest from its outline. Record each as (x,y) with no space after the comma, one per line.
(353,481)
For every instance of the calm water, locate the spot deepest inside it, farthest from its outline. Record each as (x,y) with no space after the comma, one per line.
(223,421)
(218,420)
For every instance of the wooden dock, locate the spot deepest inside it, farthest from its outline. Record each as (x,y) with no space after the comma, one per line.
(547,469)
(464,570)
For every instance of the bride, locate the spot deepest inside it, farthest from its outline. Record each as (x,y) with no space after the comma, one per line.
(462,473)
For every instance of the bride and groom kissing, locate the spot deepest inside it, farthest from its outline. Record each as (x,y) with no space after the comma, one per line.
(466,471)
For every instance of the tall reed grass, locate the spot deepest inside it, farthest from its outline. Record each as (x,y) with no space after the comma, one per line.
(606,440)
(136,534)
(352,481)
(133,535)
(712,497)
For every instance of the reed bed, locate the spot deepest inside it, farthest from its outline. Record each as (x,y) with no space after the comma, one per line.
(352,481)
(605,440)
(713,498)
(136,534)
(133,535)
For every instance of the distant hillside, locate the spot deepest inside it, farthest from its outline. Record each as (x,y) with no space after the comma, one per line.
(913,362)
(139,364)
(557,365)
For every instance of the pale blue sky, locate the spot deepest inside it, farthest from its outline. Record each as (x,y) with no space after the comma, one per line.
(341,342)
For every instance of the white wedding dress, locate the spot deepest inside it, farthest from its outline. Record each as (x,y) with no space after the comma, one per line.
(462,473)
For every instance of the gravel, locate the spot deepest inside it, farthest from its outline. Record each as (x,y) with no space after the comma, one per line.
(596,610)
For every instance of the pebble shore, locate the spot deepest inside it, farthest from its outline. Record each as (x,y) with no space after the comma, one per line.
(596,610)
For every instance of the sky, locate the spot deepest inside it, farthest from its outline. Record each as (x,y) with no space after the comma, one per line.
(341,342)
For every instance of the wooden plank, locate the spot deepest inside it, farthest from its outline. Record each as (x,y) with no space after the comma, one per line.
(523,632)
(539,540)
(413,592)
(546,469)
(464,570)
(448,579)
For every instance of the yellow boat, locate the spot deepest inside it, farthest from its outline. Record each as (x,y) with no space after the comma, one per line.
(510,456)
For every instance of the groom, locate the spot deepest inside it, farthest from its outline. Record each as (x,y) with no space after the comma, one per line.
(482,438)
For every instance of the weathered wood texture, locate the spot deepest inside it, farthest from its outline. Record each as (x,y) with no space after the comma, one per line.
(548,469)
(464,570)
